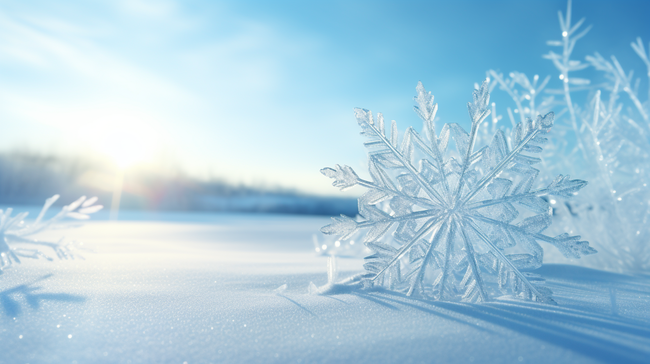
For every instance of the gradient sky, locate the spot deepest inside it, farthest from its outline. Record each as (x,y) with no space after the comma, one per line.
(262,91)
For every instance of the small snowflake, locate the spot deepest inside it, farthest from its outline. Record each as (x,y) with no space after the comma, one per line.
(15,232)
(457,229)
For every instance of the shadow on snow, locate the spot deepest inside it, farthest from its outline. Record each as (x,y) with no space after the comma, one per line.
(587,321)
(12,306)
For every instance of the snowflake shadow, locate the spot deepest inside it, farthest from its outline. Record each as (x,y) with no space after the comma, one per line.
(12,305)
(589,336)
(581,323)
(384,295)
(577,324)
(305,309)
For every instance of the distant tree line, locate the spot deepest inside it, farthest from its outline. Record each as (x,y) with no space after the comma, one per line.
(28,178)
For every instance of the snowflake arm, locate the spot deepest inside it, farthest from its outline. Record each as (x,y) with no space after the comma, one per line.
(561,186)
(503,259)
(345,177)
(474,263)
(387,149)
(569,246)
(431,224)
(428,256)
(427,110)
(523,135)
(478,111)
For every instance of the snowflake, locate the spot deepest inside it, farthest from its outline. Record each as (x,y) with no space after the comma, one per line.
(14,231)
(466,223)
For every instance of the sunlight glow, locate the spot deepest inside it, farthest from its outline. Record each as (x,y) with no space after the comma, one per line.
(124,138)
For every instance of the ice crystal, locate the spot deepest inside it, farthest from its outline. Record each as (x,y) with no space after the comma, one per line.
(15,232)
(280,290)
(465,223)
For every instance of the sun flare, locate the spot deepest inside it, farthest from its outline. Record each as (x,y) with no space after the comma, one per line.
(124,138)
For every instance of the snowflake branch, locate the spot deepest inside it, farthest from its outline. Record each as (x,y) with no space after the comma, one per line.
(496,251)
(406,163)
(426,110)
(541,124)
(345,177)
(415,200)
(569,246)
(412,216)
(346,227)
(435,152)
(514,228)
(478,111)
(561,186)
(446,268)
(471,257)
(436,239)
(427,227)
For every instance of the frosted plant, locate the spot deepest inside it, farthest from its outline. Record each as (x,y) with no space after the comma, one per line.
(466,223)
(15,232)
(607,140)
(529,100)
(524,93)
(571,33)
(616,208)
(613,137)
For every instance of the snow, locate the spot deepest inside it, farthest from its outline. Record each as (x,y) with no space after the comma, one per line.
(207,292)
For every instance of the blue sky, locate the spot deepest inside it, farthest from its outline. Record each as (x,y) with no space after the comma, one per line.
(262,92)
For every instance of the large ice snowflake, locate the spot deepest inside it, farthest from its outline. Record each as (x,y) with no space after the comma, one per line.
(465,223)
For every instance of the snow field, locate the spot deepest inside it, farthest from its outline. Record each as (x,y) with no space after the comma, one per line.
(175,292)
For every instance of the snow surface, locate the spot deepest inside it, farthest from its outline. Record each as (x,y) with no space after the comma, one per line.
(182,291)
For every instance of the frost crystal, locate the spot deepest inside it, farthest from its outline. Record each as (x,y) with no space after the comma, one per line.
(14,232)
(457,229)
